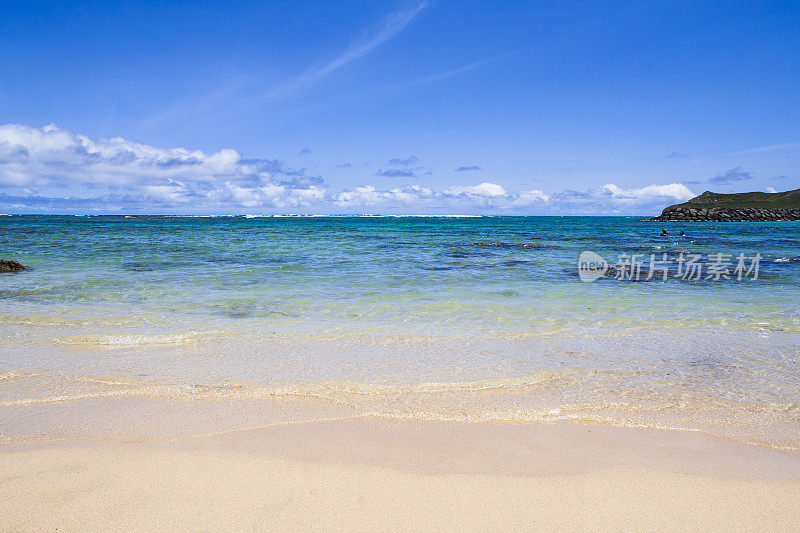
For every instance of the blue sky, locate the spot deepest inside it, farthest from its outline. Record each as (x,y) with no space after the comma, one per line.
(394,107)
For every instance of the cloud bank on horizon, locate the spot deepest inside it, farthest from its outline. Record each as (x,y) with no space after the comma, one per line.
(52,170)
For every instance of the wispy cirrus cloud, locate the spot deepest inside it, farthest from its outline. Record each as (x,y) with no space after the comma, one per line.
(433,78)
(784,147)
(467,169)
(391,27)
(238,93)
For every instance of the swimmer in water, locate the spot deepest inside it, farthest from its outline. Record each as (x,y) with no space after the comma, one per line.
(664,233)
(682,234)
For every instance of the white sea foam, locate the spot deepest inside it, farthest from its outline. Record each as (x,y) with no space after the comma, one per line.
(137,339)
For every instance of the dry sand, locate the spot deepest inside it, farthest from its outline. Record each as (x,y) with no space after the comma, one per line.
(372,474)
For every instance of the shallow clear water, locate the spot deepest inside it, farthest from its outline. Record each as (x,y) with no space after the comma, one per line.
(406,317)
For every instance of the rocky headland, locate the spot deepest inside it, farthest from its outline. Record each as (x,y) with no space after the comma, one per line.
(738,207)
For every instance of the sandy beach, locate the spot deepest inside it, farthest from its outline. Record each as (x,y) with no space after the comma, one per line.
(369,474)
(418,265)
(372,374)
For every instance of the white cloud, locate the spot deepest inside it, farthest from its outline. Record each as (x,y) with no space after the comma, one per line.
(365,195)
(412,193)
(54,160)
(49,155)
(610,199)
(530,197)
(488,190)
(272,195)
(457,197)
(675,191)
(53,170)
(175,192)
(368,195)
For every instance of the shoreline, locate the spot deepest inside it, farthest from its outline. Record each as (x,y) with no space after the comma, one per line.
(357,474)
(121,411)
(392,443)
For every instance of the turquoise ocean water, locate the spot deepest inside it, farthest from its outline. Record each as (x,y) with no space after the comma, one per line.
(459,318)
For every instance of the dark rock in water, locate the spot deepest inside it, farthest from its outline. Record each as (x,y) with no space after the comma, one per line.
(510,245)
(11,266)
(137,267)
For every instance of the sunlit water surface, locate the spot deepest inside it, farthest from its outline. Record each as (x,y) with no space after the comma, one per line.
(405,317)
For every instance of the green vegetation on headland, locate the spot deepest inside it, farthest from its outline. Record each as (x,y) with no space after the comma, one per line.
(738,207)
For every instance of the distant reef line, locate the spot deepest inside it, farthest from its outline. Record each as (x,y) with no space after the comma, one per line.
(738,207)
